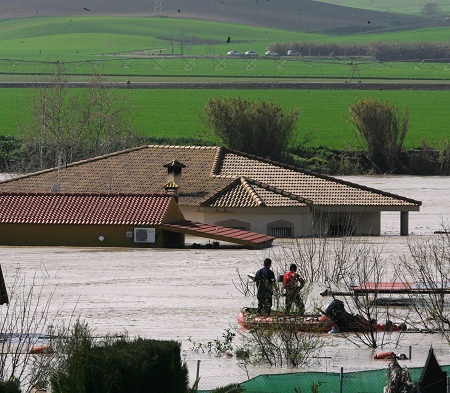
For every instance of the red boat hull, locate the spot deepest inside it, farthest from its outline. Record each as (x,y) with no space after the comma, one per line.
(248,318)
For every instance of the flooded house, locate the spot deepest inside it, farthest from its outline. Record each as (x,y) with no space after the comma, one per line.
(218,186)
(106,220)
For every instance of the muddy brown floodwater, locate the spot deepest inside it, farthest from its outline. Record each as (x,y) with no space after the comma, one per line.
(177,294)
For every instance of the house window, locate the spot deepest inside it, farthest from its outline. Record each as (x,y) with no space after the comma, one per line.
(281,228)
(281,232)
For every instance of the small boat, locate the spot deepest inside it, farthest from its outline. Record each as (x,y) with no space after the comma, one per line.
(333,320)
(249,318)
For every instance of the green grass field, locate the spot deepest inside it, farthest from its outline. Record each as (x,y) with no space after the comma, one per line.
(109,45)
(174,113)
(115,46)
(81,38)
(304,67)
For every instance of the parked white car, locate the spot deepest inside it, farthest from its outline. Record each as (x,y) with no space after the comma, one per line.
(251,53)
(293,52)
(270,53)
(234,53)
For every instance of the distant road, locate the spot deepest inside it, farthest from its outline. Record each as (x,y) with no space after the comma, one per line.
(252,85)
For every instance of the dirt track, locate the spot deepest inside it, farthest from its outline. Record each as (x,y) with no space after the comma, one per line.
(341,85)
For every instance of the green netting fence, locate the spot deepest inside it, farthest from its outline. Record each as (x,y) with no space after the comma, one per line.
(371,381)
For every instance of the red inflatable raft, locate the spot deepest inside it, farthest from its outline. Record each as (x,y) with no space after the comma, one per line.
(250,319)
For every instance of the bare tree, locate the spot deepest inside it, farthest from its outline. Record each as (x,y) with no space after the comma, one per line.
(368,266)
(286,347)
(73,124)
(46,133)
(430,9)
(281,343)
(428,269)
(341,264)
(319,259)
(24,323)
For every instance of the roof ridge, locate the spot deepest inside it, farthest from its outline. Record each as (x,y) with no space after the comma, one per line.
(220,192)
(252,192)
(226,176)
(76,163)
(105,156)
(281,191)
(217,161)
(103,194)
(184,147)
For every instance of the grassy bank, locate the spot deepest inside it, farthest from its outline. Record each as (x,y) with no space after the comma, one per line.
(324,113)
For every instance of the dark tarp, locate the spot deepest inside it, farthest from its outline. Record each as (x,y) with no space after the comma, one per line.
(3,293)
(433,379)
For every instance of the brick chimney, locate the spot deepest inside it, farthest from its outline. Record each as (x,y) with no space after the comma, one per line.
(174,169)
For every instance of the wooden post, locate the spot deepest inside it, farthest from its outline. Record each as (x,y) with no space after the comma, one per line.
(404,218)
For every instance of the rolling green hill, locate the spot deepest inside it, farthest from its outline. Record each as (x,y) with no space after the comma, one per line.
(413,7)
(80,38)
(293,15)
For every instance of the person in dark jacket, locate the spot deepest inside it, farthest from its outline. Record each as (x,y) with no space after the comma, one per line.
(265,281)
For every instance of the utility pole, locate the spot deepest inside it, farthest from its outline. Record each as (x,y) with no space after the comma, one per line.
(159,7)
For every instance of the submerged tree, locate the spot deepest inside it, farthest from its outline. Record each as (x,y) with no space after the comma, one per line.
(340,264)
(280,343)
(23,321)
(255,127)
(72,124)
(428,267)
(368,316)
(382,130)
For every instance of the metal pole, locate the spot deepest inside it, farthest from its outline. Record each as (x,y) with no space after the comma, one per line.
(410,352)
(198,370)
(341,379)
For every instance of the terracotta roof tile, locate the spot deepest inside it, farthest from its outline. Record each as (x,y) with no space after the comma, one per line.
(250,193)
(209,177)
(320,189)
(83,208)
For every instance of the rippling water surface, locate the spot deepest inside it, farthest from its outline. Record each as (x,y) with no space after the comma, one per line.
(177,294)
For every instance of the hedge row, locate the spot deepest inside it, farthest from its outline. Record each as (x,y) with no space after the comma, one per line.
(382,51)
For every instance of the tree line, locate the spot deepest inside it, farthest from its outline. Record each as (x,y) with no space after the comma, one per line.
(382,51)
(263,129)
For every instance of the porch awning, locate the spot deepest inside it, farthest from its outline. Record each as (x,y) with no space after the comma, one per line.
(231,235)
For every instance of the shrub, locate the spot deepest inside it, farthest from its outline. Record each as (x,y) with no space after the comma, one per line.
(11,386)
(119,365)
(260,128)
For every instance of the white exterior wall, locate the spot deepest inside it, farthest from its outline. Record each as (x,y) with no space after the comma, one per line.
(304,223)
(258,218)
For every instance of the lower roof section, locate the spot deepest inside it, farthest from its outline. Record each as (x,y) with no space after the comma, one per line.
(231,235)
